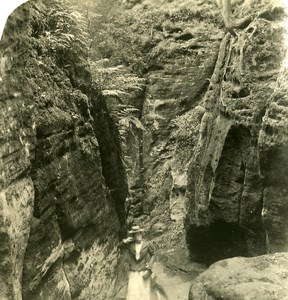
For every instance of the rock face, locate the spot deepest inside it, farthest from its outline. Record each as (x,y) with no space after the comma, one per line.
(177,50)
(237,179)
(59,154)
(214,148)
(214,116)
(263,277)
(180,51)
(183,61)
(17,189)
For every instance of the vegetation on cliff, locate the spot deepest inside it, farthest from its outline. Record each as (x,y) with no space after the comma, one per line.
(62,162)
(138,112)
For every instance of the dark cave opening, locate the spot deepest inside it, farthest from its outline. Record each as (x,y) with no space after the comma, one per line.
(219,240)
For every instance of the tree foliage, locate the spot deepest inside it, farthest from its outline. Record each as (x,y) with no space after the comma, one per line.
(63,31)
(115,80)
(59,31)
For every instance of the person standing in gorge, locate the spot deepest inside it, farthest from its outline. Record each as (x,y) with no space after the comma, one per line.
(140,258)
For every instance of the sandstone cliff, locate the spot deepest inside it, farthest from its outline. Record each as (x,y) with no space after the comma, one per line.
(60,157)
(174,48)
(214,115)
(234,205)
(208,143)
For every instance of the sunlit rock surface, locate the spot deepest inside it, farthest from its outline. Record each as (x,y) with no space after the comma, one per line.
(262,277)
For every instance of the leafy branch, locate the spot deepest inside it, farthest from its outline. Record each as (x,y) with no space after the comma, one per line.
(59,31)
(115,81)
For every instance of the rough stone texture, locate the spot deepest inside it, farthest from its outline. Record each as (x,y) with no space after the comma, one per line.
(63,178)
(214,115)
(237,205)
(59,221)
(263,277)
(180,51)
(224,184)
(180,65)
(175,87)
(17,190)
(111,155)
(180,55)
(176,81)
(274,166)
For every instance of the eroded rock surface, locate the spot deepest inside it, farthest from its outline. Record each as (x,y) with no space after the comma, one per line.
(233,189)
(180,54)
(263,277)
(214,138)
(59,220)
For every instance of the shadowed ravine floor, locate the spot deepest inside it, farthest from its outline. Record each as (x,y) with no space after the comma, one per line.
(173,274)
(175,284)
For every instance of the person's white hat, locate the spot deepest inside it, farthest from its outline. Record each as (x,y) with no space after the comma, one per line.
(135,229)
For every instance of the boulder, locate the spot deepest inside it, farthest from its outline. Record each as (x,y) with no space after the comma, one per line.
(262,277)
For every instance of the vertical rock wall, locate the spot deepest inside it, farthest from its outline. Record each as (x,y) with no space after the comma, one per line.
(178,45)
(181,51)
(59,221)
(181,64)
(234,203)
(110,153)
(17,190)
(274,166)
(225,94)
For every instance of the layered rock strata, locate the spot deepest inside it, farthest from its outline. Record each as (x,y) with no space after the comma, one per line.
(59,217)
(236,199)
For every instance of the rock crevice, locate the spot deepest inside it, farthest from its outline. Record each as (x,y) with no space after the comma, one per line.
(59,151)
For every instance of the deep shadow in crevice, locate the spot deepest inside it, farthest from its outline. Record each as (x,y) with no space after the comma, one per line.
(184,37)
(108,138)
(242,93)
(219,240)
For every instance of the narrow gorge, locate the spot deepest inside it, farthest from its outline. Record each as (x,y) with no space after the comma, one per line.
(150,113)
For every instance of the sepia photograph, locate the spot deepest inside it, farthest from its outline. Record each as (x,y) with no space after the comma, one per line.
(144,150)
